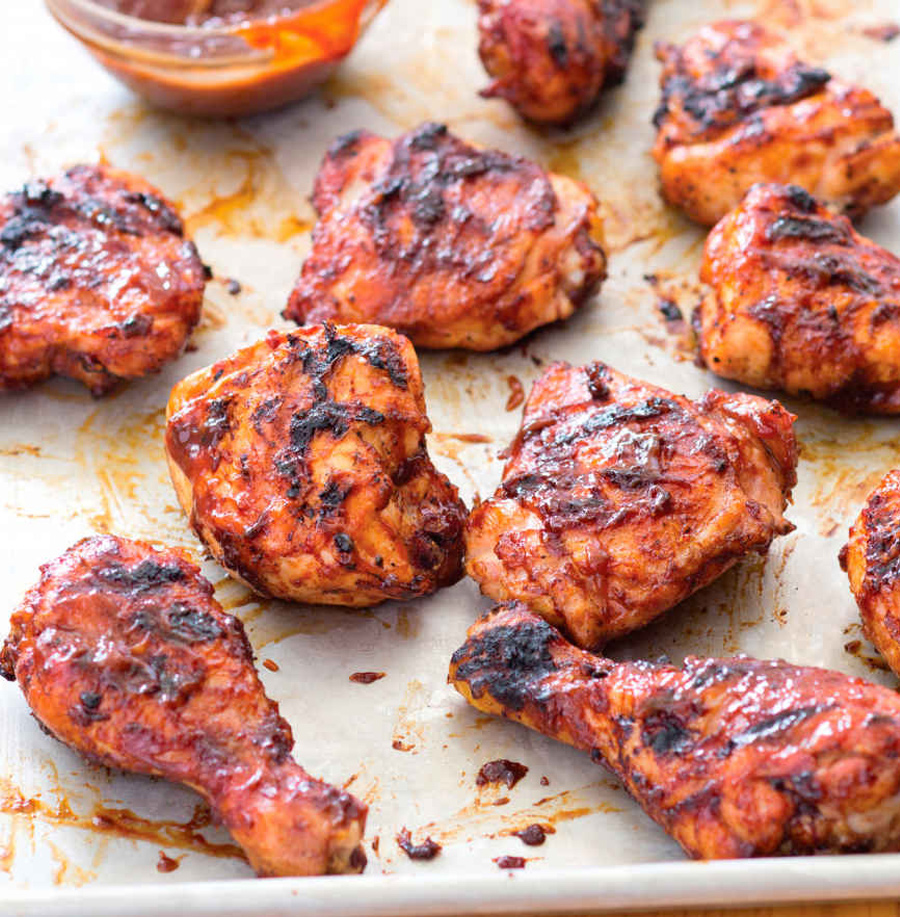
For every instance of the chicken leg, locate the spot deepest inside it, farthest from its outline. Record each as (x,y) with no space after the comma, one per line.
(123,654)
(733,757)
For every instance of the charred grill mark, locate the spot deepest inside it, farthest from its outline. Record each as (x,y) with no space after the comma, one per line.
(809,229)
(882,543)
(507,661)
(773,726)
(564,496)
(731,93)
(426,164)
(148,575)
(330,416)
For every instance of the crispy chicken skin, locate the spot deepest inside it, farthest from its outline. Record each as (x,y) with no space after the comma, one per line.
(738,108)
(732,757)
(872,561)
(124,654)
(802,303)
(97,281)
(301,461)
(620,499)
(451,245)
(550,59)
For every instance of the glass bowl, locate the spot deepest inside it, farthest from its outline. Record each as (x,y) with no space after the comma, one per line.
(222,71)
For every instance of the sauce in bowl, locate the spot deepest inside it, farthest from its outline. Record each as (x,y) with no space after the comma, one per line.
(218,58)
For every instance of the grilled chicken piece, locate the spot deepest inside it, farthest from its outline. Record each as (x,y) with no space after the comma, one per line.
(620,499)
(802,303)
(97,281)
(452,245)
(872,561)
(550,59)
(739,108)
(124,654)
(732,757)
(302,463)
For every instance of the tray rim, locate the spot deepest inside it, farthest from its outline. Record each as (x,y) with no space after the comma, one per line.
(720,883)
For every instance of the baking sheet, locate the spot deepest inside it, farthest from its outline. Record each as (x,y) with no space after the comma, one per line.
(76,839)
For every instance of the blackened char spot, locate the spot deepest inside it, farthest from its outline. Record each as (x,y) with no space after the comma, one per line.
(137,325)
(343,542)
(810,228)
(215,424)
(380,353)
(147,575)
(192,625)
(165,215)
(32,213)
(556,44)
(331,416)
(428,136)
(800,198)
(346,145)
(332,497)
(666,734)
(507,661)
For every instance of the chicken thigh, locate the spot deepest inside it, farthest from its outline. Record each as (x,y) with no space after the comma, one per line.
(738,108)
(620,499)
(124,654)
(872,561)
(732,757)
(802,303)
(451,245)
(550,59)
(97,281)
(301,461)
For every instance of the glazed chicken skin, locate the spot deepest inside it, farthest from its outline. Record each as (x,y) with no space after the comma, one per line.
(871,559)
(451,245)
(97,281)
(620,499)
(802,303)
(550,59)
(738,108)
(301,461)
(732,757)
(124,654)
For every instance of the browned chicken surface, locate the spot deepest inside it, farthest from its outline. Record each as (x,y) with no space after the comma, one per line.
(872,561)
(124,654)
(733,757)
(97,281)
(452,245)
(550,59)
(738,108)
(620,499)
(802,303)
(302,463)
